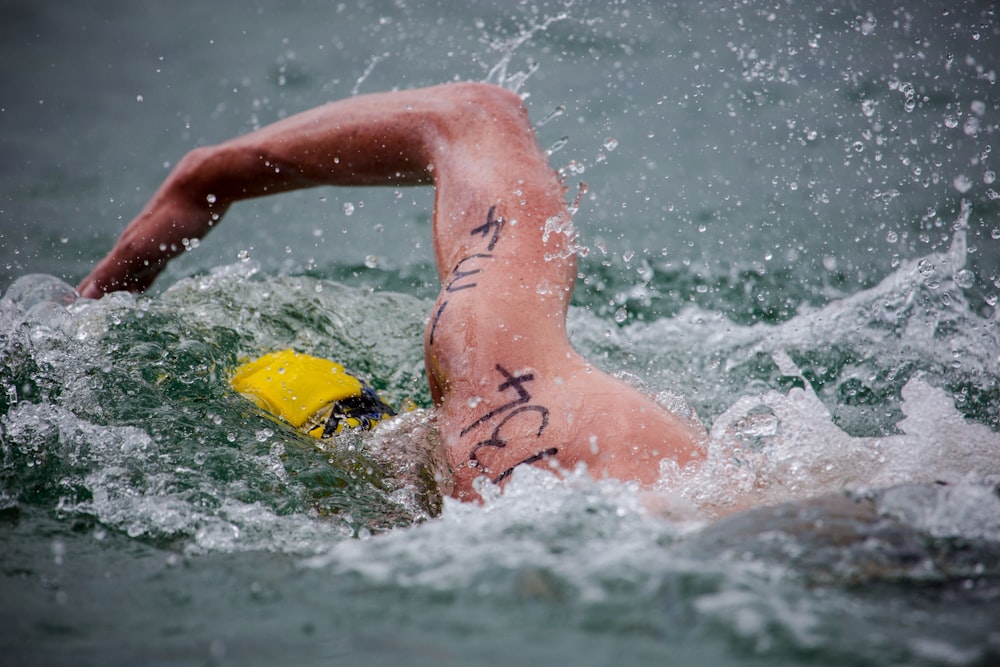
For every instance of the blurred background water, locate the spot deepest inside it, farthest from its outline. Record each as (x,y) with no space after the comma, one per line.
(790,218)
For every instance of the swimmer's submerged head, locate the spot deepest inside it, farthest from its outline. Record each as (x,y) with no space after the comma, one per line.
(316,396)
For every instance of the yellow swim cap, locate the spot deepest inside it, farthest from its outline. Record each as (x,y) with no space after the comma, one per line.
(314,395)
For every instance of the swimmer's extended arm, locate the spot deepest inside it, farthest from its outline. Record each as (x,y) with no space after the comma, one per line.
(399,138)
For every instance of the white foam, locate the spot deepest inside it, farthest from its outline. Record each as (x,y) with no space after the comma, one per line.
(770,446)
(776,447)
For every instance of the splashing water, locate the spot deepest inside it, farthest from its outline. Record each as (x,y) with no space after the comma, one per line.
(151,516)
(508,46)
(562,224)
(788,442)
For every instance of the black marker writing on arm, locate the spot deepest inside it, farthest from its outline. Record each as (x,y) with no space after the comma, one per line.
(456,285)
(458,275)
(509,411)
(496,224)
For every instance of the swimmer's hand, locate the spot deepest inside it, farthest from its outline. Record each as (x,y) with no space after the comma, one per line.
(140,254)
(127,267)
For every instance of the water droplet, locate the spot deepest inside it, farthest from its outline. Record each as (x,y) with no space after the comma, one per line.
(348,208)
(621,315)
(210,199)
(866,24)
(950,121)
(371,261)
(243,255)
(928,272)
(962,183)
(965,278)
(557,146)
(610,144)
(555,113)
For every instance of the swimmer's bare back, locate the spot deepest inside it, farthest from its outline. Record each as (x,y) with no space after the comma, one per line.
(510,388)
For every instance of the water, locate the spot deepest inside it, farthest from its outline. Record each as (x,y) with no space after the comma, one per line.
(790,219)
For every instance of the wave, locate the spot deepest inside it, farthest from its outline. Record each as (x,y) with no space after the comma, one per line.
(119,410)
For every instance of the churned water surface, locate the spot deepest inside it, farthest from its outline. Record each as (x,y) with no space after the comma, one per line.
(790,220)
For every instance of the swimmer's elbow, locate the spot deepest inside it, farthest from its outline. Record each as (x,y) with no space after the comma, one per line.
(489,96)
(485,107)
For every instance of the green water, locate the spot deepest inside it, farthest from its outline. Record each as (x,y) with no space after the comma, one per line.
(790,220)
(152,515)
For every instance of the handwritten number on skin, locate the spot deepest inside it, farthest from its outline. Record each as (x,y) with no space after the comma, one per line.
(512,409)
(512,381)
(462,278)
(458,275)
(544,454)
(496,224)
(457,284)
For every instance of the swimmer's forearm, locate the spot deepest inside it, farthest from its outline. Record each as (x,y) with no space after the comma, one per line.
(398,138)
(365,141)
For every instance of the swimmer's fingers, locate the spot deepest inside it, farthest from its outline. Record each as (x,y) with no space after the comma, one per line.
(119,272)
(162,231)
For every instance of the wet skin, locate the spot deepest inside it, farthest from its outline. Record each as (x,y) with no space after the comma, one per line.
(510,389)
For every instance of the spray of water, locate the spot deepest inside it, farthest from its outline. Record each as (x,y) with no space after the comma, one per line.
(507,47)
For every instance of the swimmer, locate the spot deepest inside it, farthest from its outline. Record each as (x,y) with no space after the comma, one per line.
(508,387)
